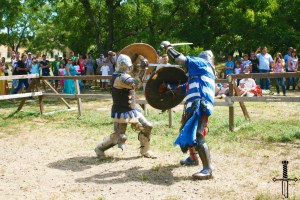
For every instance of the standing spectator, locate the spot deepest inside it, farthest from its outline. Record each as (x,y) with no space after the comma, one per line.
(54,67)
(81,61)
(89,68)
(61,72)
(254,62)
(105,72)
(293,67)
(14,70)
(34,67)
(279,68)
(82,69)
(246,62)
(72,56)
(69,85)
(100,61)
(111,62)
(229,66)
(265,60)
(29,60)
(22,70)
(6,68)
(2,83)
(286,60)
(45,66)
(65,59)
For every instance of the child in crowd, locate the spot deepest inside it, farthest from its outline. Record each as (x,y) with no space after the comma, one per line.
(229,65)
(61,72)
(238,69)
(104,71)
(246,62)
(223,91)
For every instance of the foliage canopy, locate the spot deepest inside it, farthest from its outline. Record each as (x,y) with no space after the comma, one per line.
(103,25)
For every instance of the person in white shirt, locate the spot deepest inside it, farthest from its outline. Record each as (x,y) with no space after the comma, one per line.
(105,71)
(223,92)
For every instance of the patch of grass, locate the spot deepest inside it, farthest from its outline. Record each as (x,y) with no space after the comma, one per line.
(265,125)
(267,196)
(285,137)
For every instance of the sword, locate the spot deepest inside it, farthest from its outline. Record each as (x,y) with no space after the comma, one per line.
(162,65)
(167,43)
(182,43)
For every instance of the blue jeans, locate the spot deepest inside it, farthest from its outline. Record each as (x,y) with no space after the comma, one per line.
(291,81)
(280,82)
(262,80)
(20,84)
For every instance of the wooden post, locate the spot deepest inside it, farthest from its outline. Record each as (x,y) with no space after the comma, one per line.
(242,104)
(170,117)
(231,106)
(41,103)
(79,104)
(63,100)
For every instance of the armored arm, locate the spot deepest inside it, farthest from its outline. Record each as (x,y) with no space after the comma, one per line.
(179,58)
(127,81)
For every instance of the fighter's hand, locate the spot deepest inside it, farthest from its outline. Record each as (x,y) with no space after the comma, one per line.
(163,87)
(165,45)
(144,63)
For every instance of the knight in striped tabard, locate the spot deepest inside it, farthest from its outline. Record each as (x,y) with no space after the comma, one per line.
(199,101)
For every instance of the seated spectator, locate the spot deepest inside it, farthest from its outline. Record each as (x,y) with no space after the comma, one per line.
(248,87)
(223,91)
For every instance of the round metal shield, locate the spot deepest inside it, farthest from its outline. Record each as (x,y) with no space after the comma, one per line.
(169,99)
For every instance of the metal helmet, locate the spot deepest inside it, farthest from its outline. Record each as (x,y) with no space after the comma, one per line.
(124,63)
(207,55)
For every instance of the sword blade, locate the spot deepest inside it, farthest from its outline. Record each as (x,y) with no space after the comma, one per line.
(182,43)
(162,65)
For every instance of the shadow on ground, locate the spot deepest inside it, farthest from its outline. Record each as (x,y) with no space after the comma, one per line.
(162,175)
(81,163)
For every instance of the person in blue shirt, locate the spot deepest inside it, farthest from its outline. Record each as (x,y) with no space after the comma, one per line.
(45,66)
(265,61)
(229,65)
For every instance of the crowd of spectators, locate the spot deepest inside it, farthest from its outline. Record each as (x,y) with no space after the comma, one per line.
(261,61)
(62,65)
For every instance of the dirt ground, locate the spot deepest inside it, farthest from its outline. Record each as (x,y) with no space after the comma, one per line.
(44,164)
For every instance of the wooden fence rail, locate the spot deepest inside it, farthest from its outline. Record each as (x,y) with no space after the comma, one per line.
(229,101)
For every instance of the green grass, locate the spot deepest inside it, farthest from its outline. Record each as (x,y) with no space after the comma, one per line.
(265,125)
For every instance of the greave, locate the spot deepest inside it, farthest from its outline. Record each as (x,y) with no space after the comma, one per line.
(107,143)
(204,154)
(145,144)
